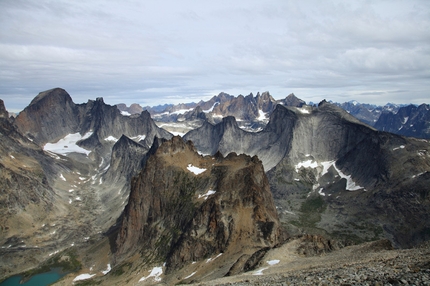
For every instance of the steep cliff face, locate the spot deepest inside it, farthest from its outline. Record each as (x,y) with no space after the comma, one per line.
(50,115)
(184,207)
(270,145)
(107,125)
(323,163)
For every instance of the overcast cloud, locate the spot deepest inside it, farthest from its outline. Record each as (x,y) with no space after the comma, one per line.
(156,52)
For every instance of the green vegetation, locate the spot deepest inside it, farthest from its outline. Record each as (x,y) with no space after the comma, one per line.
(311,210)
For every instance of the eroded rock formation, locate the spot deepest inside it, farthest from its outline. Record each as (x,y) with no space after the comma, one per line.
(178,215)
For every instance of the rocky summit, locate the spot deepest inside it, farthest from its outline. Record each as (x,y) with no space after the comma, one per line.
(184,207)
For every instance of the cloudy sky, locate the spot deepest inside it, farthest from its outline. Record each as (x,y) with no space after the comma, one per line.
(169,51)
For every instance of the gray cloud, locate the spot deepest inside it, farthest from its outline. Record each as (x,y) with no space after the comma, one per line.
(167,51)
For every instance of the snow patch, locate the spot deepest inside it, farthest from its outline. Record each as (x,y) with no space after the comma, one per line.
(68,145)
(62,177)
(414,176)
(195,170)
(320,191)
(212,108)
(190,275)
(400,147)
(303,110)
(405,119)
(260,271)
(84,276)
(212,259)
(177,133)
(108,269)
(111,139)
(125,113)
(306,164)
(181,111)
(207,194)
(155,273)
(53,253)
(261,115)
(273,262)
(138,138)
(350,184)
(326,165)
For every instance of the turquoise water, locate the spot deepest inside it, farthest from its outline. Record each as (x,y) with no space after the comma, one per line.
(42,279)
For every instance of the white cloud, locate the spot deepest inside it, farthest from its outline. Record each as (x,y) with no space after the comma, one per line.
(149,52)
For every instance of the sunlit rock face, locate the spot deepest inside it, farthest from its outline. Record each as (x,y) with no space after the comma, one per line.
(184,207)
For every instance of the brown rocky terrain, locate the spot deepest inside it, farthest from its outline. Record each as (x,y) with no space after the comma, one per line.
(183,217)
(372,263)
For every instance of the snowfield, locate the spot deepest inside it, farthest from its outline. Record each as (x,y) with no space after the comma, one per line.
(350,184)
(155,273)
(68,145)
(195,170)
(207,194)
(83,277)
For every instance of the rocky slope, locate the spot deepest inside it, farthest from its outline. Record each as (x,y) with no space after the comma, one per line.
(25,191)
(60,183)
(374,263)
(331,173)
(184,207)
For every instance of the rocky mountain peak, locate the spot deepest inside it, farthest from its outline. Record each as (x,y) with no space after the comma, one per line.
(229,122)
(55,94)
(198,206)
(50,115)
(292,100)
(3,111)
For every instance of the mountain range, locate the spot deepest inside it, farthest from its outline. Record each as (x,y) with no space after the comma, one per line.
(121,196)
(252,113)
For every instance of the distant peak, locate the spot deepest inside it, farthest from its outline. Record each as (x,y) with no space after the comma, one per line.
(3,111)
(323,102)
(55,92)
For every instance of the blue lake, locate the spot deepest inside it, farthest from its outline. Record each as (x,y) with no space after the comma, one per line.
(42,279)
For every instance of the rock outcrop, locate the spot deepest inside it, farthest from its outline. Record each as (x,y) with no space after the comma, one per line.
(184,207)
(3,111)
(50,116)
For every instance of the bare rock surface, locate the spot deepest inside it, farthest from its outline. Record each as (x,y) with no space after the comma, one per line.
(184,207)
